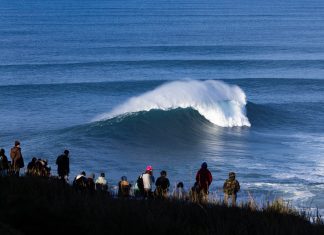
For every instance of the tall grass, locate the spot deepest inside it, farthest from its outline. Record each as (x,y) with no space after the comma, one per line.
(47,206)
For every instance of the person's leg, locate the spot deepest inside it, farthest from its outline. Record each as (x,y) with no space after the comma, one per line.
(234,199)
(226,199)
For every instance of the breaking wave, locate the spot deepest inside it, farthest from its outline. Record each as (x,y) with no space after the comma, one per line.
(220,103)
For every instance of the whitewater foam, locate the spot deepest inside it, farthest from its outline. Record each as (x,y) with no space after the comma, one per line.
(220,103)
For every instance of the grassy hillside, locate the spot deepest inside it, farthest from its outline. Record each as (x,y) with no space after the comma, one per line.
(41,206)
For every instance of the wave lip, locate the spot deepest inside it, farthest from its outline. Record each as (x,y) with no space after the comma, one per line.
(220,103)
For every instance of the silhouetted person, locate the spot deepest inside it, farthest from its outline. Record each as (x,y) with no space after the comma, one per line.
(31,167)
(204,179)
(4,165)
(91,186)
(124,187)
(17,160)
(179,193)
(101,183)
(162,185)
(63,165)
(80,182)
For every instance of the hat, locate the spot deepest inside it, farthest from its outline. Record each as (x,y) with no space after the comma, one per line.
(149,168)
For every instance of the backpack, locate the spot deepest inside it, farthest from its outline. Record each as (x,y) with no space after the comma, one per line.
(231,186)
(125,188)
(140,183)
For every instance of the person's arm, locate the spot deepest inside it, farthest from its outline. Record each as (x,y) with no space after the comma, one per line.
(210,178)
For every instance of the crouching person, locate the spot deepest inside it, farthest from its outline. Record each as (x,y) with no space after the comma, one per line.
(231,187)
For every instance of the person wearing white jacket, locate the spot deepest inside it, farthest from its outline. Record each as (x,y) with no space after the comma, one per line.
(148,181)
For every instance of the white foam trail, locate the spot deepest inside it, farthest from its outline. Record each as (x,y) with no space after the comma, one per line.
(218,102)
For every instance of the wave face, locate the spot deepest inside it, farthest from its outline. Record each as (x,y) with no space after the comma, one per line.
(220,103)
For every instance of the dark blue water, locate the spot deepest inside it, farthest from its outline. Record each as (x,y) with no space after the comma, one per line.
(64,63)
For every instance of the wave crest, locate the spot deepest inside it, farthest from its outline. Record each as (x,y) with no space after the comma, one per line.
(220,103)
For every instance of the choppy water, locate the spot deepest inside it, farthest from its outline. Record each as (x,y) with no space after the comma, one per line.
(123,84)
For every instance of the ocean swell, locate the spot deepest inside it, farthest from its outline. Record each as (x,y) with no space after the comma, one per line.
(220,103)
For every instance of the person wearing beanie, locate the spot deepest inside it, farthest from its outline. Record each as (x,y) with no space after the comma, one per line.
(203,180)
(148,180)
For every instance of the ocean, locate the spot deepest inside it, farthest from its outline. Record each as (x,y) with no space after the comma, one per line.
(126,84)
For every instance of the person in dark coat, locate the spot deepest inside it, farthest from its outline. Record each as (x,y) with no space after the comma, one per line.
(63,165)
(31,167)
(204,179)
(17,160)
(4,166)
(162,186)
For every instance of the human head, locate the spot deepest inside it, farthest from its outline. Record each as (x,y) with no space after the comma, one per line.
(102,174)
(34,159)
(66,152)
(83,173)
(17,143)
(231,175)
(2,151)
(204,165)
(124,178)
(180,185)
(163,173)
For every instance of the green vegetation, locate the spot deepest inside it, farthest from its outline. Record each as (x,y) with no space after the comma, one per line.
(47,206)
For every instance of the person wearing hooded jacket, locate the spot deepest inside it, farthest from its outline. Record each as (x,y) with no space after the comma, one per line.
(204,179)
(16,158)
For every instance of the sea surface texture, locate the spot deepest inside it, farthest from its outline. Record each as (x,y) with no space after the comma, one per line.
(125,84)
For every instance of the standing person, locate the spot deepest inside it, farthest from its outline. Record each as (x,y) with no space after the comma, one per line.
(63,165)
(4,166)
(231,187)
(17,160)
(124,187)
(91,186)
(148,180)
(31,167)
(162,185)
(179,193)
(101,183)
(204,179)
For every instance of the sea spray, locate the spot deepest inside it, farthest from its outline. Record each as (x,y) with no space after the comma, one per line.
(220,103)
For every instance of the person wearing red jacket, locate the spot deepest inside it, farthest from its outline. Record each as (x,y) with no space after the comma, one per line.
(204,179)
